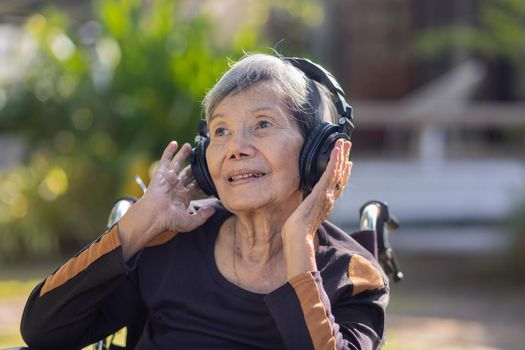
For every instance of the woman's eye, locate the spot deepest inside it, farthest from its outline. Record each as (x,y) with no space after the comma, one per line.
(220,132)
(263,124)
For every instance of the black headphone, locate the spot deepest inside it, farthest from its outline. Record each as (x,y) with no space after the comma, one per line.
(317,145)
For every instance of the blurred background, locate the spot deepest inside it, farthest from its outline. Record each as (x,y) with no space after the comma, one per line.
(92,91)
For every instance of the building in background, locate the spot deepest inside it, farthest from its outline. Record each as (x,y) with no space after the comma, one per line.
(439,138)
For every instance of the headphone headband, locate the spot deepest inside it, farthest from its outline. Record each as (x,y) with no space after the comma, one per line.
(316,72)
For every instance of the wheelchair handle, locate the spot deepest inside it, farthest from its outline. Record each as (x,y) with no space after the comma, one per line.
(374,215)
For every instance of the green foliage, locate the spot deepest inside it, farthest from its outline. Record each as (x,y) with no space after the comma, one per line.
(96,104)
(500,33)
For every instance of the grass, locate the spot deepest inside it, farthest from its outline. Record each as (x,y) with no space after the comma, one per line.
(13,289)
(10,340)
(16,283)
(13,293)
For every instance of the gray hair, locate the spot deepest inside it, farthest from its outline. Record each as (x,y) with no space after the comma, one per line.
(309,102)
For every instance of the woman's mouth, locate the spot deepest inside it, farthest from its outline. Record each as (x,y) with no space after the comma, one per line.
(244,178)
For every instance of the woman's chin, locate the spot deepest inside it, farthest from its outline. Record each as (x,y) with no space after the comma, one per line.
(260,199)
(247,202)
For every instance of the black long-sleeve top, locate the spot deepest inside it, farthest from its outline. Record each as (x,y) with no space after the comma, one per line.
(175,292)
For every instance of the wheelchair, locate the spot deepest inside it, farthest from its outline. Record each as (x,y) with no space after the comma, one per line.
(375,225)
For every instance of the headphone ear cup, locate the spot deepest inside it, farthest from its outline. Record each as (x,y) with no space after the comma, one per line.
(316,153)
(199,168)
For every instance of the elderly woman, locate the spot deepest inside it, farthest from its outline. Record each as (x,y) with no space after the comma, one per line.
(257,269)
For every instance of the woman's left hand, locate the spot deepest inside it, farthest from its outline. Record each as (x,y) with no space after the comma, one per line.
(298,232)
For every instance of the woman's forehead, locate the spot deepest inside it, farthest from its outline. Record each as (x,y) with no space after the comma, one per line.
(263,96)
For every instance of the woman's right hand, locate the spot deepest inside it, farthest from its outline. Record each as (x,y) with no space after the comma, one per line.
(164,206)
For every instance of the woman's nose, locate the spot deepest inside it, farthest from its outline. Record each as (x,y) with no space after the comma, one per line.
(240,145)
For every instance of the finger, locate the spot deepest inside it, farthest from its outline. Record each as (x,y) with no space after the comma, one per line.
(172,178)
(329,177)
(346,176)
(193,188)
(341,164)
(348,163)
(348,171)
(178,159)
(169,151)
(349,145)
(346,166)
(341,161)
(186,176)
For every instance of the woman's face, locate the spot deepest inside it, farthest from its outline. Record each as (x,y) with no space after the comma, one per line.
(254,148)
